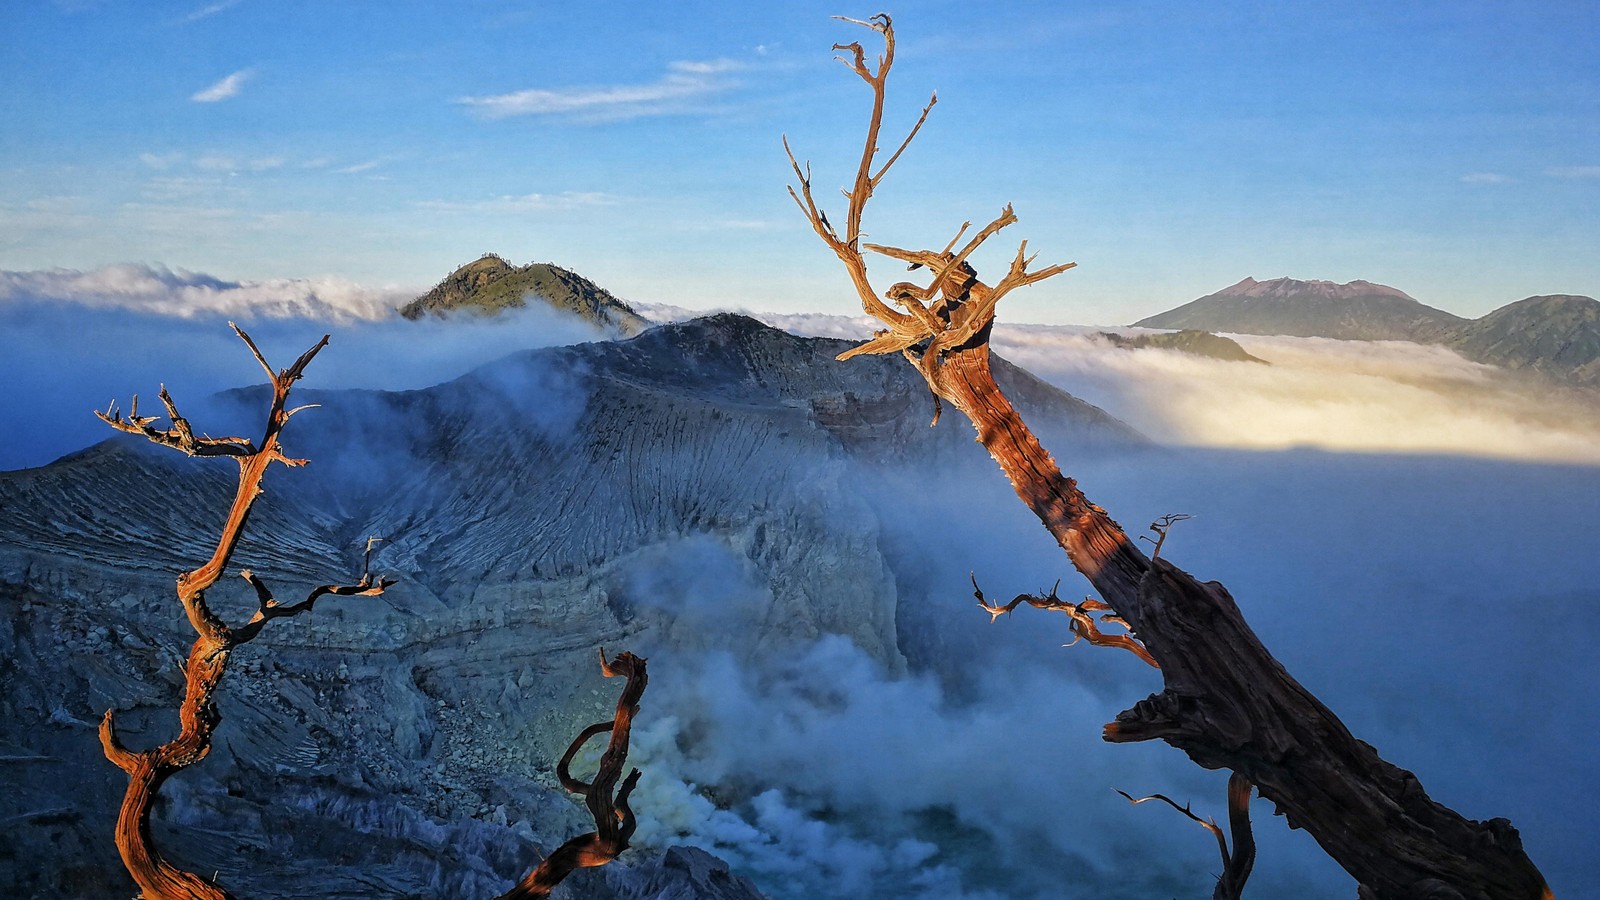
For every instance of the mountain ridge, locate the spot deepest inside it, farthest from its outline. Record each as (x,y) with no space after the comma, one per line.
(1554,336)
(1356,310)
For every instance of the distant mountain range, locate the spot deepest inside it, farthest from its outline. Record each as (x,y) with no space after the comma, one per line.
(490,285)
(1556,336)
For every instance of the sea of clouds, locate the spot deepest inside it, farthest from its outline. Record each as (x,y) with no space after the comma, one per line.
(1408,532)
(71,342)
(1367,396)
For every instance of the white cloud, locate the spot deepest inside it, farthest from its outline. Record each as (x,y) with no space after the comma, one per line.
(167,292)
(1365,396)
(1486,178)
(1573,172)
(1369,396)
(161,161)
(223,89)
(358,168)
(218,163)
(685,81)
(524,202)
(706,67)
(209,10)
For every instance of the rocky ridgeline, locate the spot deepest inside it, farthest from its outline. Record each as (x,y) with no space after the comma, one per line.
(696,488)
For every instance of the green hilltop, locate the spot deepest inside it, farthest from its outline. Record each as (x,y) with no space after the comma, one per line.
(490,285)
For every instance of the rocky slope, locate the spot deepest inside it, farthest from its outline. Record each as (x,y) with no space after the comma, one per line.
(1556,336)
(490,284)
(698,487)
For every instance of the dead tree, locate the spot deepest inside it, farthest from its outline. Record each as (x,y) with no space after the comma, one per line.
(614,822)
(148,769)
(1226,702)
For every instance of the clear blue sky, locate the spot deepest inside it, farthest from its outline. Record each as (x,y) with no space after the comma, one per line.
(1451,149)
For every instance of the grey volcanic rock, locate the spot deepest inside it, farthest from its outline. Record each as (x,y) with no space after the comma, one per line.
(681,873)
(695,488)
(1359,310)
(1556,335)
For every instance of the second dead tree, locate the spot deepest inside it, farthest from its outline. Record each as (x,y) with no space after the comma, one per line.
(607,802)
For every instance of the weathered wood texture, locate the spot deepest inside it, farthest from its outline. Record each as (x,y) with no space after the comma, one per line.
(208,658)
(614,822)
(1227,702)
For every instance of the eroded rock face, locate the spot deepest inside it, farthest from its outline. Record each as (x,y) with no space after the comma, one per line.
(693,489)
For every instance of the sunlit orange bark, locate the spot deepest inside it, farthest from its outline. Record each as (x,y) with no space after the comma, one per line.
(1226,703)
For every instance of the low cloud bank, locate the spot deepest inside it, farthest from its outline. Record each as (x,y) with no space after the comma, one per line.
(1371,396)
(158,290)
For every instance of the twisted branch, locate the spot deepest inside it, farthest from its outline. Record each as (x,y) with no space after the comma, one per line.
(1080,617)
(269,608)
(606,800)
(1236,865)
(1161,526)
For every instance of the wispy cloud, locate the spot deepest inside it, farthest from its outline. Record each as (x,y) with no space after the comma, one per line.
(209,10)
(161,161)
(1573,172)
(1486,178)
(229,164)
(685,81)
(223,89)
(183,294)
(360,167)
(706,67)
(525,202)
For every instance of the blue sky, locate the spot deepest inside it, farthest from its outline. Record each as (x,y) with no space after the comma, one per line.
(1449,149)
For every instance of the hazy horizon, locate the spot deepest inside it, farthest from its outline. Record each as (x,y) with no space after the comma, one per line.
(1449,150)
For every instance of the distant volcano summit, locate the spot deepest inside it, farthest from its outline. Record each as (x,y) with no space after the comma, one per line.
(1359,310)
(1555,336)
(489,285)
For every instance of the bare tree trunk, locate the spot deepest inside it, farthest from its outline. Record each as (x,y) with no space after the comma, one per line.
(198,716)
(1229,704)
(1226,703)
